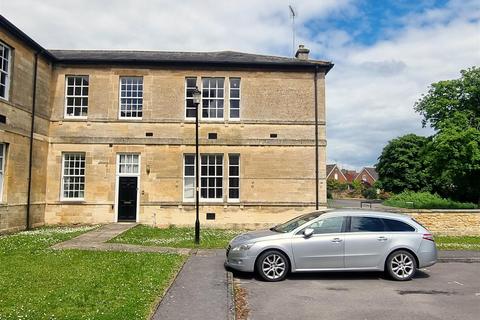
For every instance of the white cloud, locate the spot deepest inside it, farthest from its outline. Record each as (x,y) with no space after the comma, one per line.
(370,91)
(249,25)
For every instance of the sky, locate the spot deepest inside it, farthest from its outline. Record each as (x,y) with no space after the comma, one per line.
(386,53)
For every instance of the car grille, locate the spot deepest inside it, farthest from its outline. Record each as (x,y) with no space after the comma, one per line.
(228,249)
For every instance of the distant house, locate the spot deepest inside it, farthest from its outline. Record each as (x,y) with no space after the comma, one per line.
(335,174)
(350,175)
(368,176)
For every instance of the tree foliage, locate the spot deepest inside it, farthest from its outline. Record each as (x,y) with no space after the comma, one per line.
(446,98)
(401,165)
(453,158)
(449,161)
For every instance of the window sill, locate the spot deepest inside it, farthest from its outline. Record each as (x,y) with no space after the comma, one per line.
(130,118)
(74,118)
(210,201)
(72,201)
(205,120)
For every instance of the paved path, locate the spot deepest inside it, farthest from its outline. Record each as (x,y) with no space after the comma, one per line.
(200,290)
(96,240)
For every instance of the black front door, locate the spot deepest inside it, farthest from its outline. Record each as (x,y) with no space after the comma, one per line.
(127,198)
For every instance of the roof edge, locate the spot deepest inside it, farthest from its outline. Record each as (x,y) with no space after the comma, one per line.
(15,31)
(311,67)
(326,66)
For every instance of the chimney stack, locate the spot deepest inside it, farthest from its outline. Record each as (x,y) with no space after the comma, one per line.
(302,52)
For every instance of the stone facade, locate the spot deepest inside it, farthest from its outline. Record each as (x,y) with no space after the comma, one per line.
(274,137)
(15,135)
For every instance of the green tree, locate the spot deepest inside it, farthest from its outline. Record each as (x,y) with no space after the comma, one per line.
(453,158)
(445,98)
(401,166)
(452,107)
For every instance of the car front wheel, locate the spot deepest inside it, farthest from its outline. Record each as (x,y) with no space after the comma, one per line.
(272,265)
(401,265)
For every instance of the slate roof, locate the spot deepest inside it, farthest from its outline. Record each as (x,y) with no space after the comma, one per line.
(168,58)
(188,58)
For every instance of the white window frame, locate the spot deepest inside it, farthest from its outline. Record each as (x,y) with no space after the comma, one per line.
(3,157)
(215,177)
(8,71)
(62,188)
(119,174)
(208,98)
(132,163)
(184,176)
(126,97)
(239,89)
(238,177)
(189,98)
(66,115)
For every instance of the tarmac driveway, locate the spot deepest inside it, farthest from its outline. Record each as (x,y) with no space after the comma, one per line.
(443,291)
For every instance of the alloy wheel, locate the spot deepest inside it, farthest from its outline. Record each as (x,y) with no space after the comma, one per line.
(402,266)
(273,266)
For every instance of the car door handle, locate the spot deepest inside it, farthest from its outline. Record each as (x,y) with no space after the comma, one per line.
(382,238)
(337,240)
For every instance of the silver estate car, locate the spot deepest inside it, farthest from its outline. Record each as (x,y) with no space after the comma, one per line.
(341,240)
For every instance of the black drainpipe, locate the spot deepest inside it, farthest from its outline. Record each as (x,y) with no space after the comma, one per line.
(316,137)
(30,156)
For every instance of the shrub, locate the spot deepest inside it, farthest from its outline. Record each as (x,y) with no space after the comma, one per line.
(370,193)
(425,200)
(329,194)
(384,195)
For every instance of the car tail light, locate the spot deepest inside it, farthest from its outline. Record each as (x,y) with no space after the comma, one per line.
(428,236)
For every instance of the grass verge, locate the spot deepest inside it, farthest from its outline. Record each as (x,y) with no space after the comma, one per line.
(176,237)
(458,242)
(41,283)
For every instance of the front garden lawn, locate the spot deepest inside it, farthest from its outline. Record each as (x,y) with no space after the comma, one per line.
(40,283)
(177,237)
(458,242)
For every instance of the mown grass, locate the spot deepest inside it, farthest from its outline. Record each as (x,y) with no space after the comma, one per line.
(177,237)
(40,283)
(425,200)
(458,242)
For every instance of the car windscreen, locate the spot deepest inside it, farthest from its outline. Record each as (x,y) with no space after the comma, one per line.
(296,222)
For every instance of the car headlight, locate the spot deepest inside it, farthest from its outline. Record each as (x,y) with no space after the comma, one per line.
(242,247)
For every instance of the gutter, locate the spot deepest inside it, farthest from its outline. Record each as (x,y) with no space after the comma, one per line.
(316,136)
(30,155)
(192,64)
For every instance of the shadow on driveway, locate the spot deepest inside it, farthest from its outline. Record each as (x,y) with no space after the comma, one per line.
(329,275)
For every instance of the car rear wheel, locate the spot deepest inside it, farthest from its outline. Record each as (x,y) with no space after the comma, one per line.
(272,265)
(401,265)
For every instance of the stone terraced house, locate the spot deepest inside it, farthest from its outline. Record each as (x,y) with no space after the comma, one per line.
(112,136)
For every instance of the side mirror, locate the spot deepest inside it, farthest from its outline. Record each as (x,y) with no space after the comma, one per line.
(308,232)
